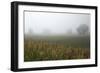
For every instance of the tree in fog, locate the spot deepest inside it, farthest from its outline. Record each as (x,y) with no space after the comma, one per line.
(69,32)
(83,29)
(46,32)
(30,32)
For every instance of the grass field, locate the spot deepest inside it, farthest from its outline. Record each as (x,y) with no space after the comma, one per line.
(40,48)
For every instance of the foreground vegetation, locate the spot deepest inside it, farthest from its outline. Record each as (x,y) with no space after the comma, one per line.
(56,48)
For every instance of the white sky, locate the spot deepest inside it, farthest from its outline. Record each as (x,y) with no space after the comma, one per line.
(54,23)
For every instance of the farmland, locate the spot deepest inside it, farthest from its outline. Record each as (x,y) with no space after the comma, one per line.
(41,48)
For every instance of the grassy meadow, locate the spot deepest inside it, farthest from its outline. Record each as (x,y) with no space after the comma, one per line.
(41,48)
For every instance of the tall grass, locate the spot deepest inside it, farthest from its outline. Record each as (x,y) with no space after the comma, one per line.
(43,49)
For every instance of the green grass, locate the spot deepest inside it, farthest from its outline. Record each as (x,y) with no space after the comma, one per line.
(56,48)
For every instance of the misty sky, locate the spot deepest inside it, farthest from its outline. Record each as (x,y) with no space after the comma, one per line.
(54,23)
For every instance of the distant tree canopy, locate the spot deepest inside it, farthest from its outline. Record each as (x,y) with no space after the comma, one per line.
(69,32)
(46,32)
(83,29)
(30,31)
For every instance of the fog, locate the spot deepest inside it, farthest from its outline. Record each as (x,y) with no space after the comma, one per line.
(54,23)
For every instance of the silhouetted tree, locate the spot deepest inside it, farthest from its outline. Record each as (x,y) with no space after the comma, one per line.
(83,29)
(69,32)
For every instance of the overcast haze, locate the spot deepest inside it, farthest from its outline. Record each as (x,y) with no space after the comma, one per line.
(54,23)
